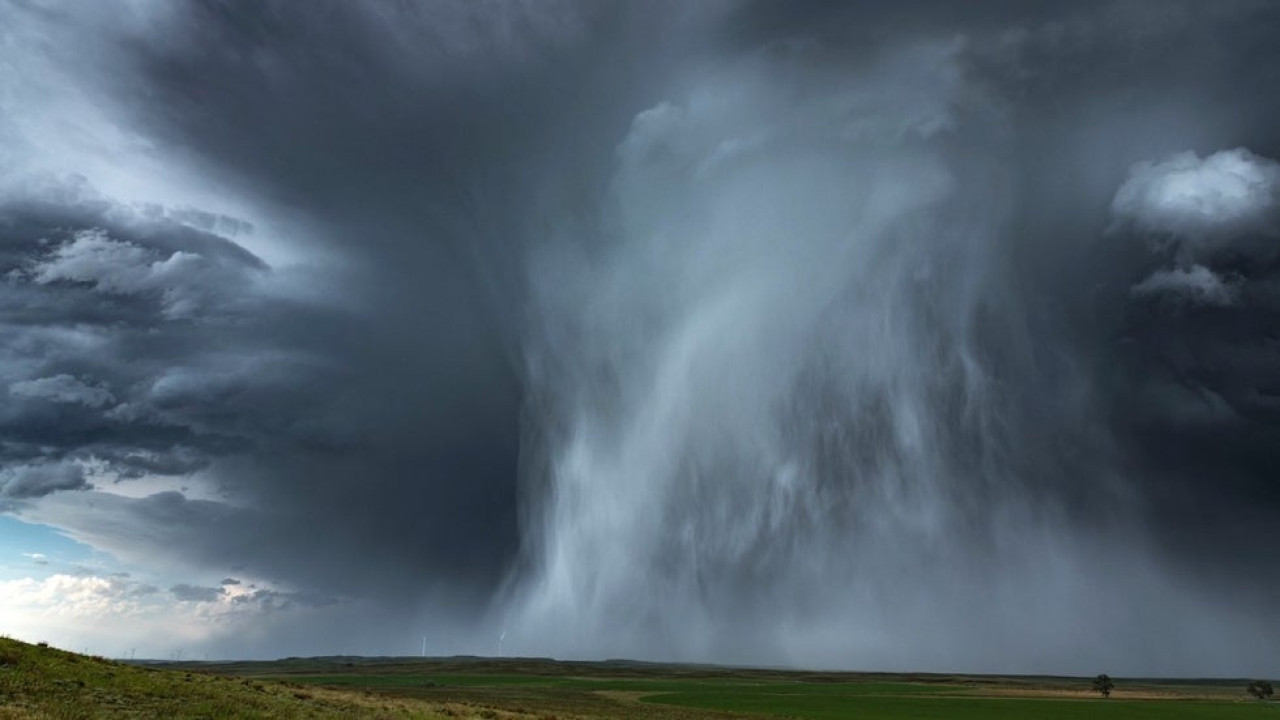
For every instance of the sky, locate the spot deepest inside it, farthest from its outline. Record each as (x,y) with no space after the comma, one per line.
(922,336)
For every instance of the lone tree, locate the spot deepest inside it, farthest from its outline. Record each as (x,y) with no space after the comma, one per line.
(1103,685)
(1260,689)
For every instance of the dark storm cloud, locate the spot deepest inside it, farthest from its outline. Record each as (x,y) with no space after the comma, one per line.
(106,324)
(63,389)
(137,345)
(1200,348)
(364,427)
(364,422)
(35,480)
(1172,281)
(1147,201)
(416,142)
(192,593)
(273,600)
(1099,347)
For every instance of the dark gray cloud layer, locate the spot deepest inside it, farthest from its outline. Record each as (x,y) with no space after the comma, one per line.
(140,346)
(1092,362)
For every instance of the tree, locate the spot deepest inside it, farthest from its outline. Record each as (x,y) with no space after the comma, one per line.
(1103,685)
(1260,689)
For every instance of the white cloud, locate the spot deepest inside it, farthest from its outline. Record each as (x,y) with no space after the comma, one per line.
(108,613)
(92,257)
(187,282)
(1196,285)
(64,595)
(37,558)
(63,389)
(1201,205)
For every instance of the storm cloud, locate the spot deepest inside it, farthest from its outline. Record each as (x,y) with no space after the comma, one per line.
(932,337)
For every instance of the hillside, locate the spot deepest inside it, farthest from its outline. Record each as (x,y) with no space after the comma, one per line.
(44,682)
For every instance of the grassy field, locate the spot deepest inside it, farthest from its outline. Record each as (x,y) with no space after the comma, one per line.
(37,682)
(546,688)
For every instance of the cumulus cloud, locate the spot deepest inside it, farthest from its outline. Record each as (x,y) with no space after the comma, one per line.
(77,595)
(115,614)
(1201,205)
(63,389)
(98,595)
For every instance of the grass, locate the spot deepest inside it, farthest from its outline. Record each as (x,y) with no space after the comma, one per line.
(620,689)
(906,707)
(38,682)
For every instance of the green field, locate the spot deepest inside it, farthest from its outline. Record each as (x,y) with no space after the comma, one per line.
(623,689)
(38,682)
(895,707)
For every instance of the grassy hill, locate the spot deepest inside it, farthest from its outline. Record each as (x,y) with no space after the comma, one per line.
(44,682)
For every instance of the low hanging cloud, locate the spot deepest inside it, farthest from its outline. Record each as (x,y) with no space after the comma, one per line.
(111,318)
(33,480)
(194,593)
(63,388)
(1196,285)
